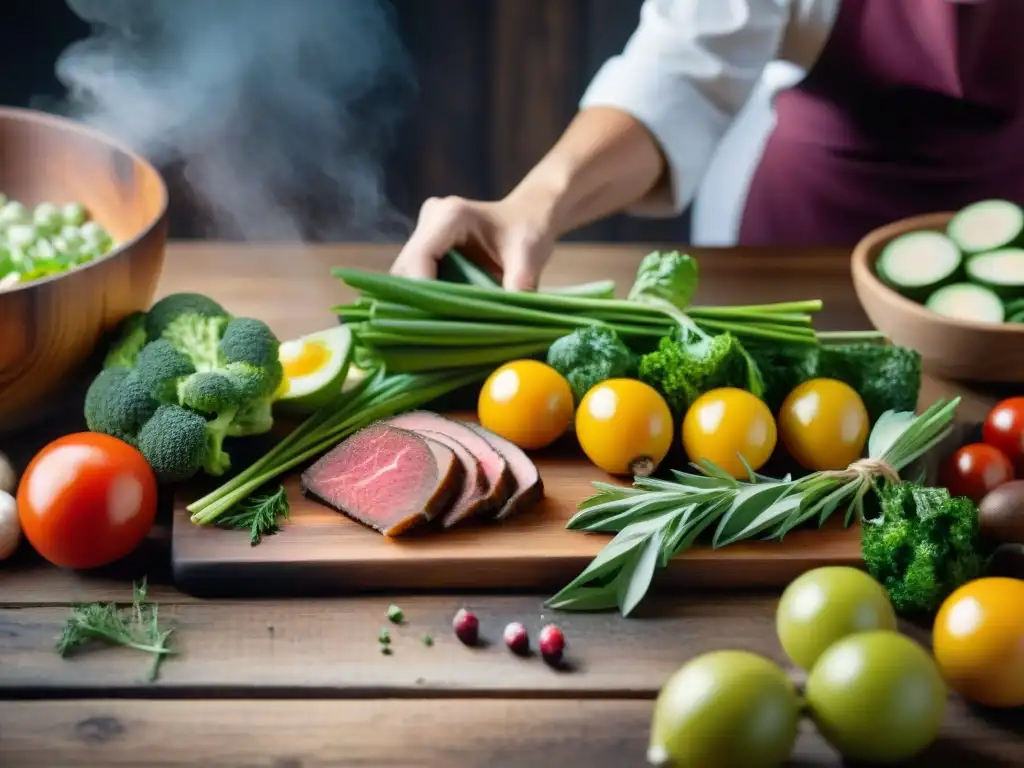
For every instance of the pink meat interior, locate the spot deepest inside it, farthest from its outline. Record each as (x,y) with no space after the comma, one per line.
(381,475)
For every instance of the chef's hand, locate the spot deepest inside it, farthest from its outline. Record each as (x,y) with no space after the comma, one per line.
(512,238)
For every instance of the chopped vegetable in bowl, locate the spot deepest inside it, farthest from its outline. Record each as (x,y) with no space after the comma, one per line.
(46,240)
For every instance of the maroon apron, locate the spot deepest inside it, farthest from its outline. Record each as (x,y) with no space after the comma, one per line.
(914,106)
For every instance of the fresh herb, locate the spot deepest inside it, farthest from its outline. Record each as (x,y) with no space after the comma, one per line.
(136,627)
(655,520)
(375,396)
(384,636)
(395,614)
(1015,311)
(428,640)
(260,515)
(922,546)
(588,356)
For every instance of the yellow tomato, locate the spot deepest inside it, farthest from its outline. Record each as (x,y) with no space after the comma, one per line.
(724,424)
(978,641)
(823,424)
(526,402)
(625,427)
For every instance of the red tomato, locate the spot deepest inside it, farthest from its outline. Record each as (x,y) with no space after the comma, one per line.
(976,469)
(86,500)
(1004,429)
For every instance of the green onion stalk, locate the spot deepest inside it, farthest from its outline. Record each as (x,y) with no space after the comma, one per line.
(466,319)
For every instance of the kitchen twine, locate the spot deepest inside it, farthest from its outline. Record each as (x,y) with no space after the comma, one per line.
(867,469)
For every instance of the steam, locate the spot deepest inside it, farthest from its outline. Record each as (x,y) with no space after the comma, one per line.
(263,106)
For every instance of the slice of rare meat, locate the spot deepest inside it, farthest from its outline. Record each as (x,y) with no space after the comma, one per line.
(497,473)
(529,488)
(388,478)
(473,496)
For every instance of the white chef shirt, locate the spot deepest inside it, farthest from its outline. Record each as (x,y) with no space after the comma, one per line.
(689,68)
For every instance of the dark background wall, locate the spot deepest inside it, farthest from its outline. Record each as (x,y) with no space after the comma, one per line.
(498,82)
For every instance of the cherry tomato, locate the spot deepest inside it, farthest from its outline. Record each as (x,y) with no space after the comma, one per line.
(823,424)
(1004,429)
(86,500)
(624,426)
(527,402)
(974,470)
(724,424)
(978,641)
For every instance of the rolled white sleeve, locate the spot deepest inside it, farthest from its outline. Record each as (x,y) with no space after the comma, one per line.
(685,73)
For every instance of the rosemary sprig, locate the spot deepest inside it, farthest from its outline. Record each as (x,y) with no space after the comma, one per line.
(259,514)
(654,520)
(136,627)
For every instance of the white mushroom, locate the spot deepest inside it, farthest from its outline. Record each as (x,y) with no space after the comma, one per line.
(10,528)
(8,480)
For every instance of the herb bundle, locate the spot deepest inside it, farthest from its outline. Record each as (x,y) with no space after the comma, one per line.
(375,396)
(468,320)
(654,520)
(137,627)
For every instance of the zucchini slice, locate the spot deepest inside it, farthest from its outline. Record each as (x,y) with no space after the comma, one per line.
(1002,271)
(967,301)
(918,263)
(986,226)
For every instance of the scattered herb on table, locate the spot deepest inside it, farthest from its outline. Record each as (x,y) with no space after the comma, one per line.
(655,520)
(384,636)
(395,614)
(136,627)
(260,514)
(428,640)
(922,546)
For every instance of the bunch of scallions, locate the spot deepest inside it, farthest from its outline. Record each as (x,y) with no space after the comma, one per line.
(466,319)
(656,520)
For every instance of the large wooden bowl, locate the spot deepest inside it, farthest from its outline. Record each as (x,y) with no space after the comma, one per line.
(49,329)
(950,348)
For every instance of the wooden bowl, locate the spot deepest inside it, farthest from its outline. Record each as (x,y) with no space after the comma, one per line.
(49,329)
(950,348)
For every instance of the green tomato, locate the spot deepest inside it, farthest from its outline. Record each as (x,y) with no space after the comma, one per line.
(825,605)
(727,709)
(878,697)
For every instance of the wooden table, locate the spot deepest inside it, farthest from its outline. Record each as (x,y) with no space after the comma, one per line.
(302,683)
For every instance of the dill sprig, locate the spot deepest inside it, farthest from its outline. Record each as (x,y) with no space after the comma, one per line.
(259,514)
(137,627)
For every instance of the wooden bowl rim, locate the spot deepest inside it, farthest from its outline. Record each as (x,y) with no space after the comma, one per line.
(67,124)
(862,263)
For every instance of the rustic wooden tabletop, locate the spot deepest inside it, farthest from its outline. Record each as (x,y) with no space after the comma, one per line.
(301,682)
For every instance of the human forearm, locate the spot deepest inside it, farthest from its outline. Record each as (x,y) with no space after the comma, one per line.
(604,162)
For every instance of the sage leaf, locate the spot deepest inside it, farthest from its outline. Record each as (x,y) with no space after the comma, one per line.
(634,586)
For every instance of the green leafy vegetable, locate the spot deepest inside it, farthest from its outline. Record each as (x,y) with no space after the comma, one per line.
(182,378)
(259,514)
(428,640)
(922,546)
(588,356)
(655,520)
(684,370)
(137,627)
(667,276)
(1015,311)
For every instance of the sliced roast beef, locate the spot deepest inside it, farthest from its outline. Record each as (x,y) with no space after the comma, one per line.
(496,471)
(388,478)
(529,488)
(473,496)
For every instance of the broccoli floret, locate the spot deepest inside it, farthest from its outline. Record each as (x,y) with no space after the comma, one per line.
(922,546)
(684,370)
(170,308)
(887,377)
(129,338)
(174,442)
(783,367)
(219,370)
(160,367)
(590,355)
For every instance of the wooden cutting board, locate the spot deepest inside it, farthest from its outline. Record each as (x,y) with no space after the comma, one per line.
(323,552)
